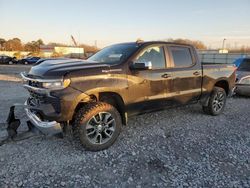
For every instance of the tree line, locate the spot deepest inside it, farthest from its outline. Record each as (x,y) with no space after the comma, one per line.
(16,44)
(196,43)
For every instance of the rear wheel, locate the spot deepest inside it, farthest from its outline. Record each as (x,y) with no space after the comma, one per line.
(217,102)
(97,126)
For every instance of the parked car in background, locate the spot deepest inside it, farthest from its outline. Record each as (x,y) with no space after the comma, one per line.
(29,60)
(243,77)
(237,62)
(4,59)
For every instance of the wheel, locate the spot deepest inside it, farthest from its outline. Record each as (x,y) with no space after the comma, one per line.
(217,102)
(10,62)
(97,126)
(26,63)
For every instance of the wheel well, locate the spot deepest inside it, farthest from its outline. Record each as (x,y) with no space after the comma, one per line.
(92,98)
(109,97)
(223,84)
(115,100)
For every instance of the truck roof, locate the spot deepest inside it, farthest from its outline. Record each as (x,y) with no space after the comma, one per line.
(154,42)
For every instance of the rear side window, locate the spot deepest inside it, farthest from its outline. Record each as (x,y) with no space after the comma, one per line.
(181,56)
(245,65)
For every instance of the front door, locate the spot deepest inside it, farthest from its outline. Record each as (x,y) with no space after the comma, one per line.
(148,88)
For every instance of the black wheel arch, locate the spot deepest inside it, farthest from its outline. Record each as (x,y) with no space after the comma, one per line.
(223,83)
(111,98)
(115,100)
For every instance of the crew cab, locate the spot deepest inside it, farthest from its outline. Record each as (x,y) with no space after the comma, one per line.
(96,96)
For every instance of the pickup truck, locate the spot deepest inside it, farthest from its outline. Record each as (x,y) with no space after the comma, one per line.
(95,97)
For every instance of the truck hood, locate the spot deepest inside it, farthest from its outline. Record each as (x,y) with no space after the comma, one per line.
(60,67)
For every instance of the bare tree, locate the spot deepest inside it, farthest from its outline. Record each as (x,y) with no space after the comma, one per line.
(14,44)
(196,43)
(33,46)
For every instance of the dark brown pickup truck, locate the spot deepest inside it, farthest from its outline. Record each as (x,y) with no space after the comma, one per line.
(95,97)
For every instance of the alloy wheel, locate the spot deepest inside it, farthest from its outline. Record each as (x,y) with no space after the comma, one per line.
(100,128)
(218,102)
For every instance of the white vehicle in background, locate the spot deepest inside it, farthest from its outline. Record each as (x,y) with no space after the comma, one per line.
(243,77)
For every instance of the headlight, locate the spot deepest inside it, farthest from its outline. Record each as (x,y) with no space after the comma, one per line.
(56,84)
(245,80)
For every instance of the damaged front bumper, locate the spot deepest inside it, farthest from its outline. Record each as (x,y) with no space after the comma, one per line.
(46,127)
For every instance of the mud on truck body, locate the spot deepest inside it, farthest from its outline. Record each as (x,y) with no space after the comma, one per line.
(95,97)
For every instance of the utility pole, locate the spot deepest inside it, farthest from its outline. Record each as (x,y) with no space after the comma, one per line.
(95,43)
(223,44)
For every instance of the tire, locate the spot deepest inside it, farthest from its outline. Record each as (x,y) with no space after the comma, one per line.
(10,63)
(25,63)
(217,102)
(97,126)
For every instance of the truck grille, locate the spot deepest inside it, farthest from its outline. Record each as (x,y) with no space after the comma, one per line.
(38,98)
(35,84)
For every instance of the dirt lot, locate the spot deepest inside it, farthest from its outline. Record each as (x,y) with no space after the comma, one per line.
(178,147)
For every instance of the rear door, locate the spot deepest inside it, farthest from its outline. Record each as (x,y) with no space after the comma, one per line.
(186,74)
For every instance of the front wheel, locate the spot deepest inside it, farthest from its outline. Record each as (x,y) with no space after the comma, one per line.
(217,102)
(97,126)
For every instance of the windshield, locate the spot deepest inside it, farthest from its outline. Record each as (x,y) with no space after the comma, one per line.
(114,54)
(245,65)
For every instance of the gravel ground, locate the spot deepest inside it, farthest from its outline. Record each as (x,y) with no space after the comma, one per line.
(11,90)
(178,147)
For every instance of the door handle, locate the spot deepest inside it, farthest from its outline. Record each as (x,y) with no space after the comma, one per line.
(196,73)
(166,75)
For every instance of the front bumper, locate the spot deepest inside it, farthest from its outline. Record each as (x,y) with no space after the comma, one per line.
(46,127)
(52,105)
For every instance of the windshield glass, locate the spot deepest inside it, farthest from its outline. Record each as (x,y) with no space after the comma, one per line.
(245,65)
(114,54)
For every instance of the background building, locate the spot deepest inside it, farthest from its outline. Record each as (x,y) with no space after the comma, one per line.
(61,51)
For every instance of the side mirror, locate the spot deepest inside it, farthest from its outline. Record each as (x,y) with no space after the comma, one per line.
(141,66)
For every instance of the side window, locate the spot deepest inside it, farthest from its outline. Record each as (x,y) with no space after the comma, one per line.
(181,56)
(155,55)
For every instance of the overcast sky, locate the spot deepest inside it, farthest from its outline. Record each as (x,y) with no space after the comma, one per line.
(111,21)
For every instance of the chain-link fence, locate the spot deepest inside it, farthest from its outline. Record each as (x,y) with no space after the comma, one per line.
(228,58)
